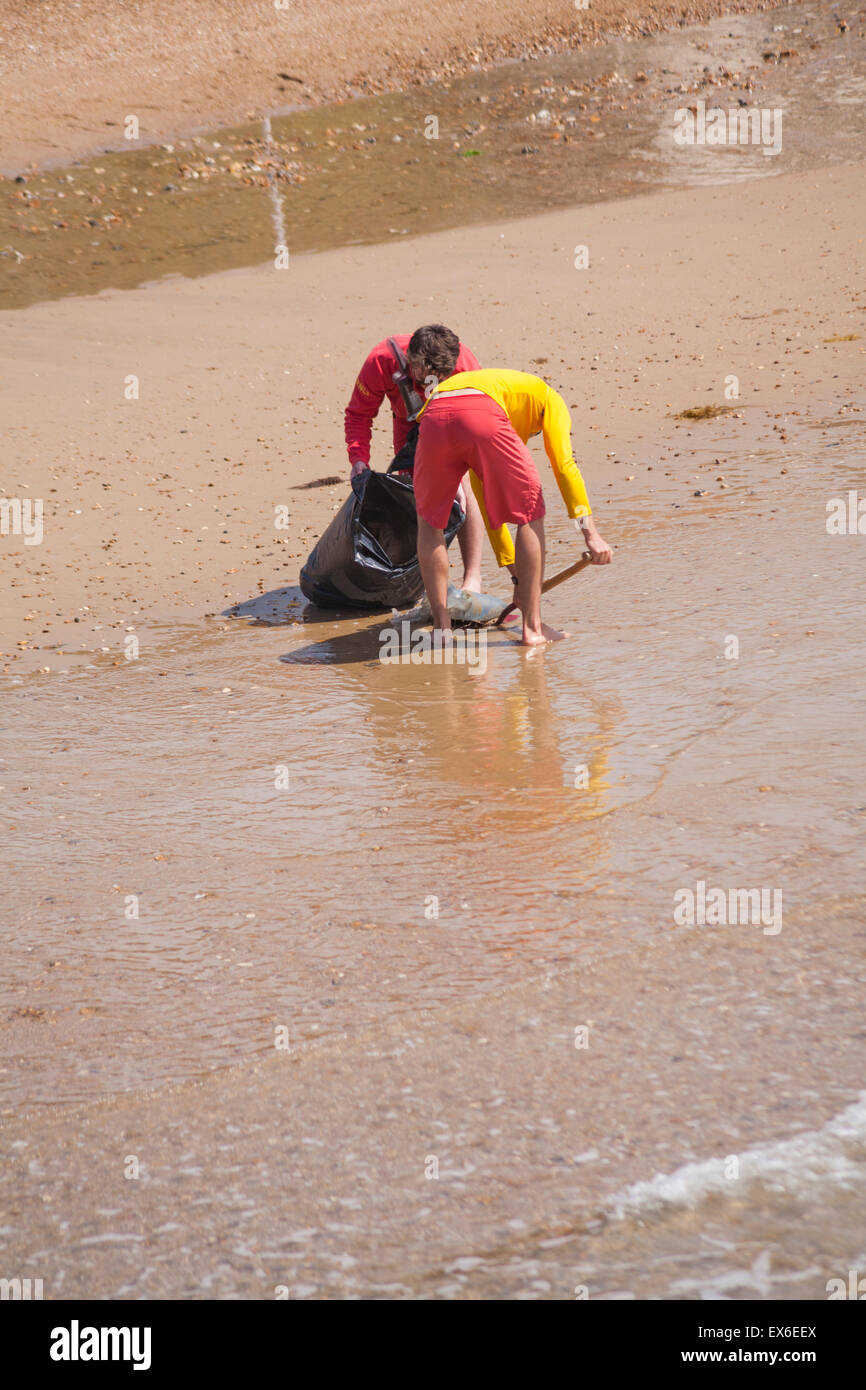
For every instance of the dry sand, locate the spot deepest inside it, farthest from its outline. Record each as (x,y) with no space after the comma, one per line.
(165,504)
(71,71)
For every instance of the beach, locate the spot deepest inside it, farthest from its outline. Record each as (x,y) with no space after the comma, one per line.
(329,978)
(72,70)
(237,410)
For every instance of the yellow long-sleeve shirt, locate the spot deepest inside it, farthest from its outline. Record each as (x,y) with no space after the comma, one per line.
(533,407)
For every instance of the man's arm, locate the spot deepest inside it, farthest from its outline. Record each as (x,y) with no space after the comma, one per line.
(556,430)
(362,410)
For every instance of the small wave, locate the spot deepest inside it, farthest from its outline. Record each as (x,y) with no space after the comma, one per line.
(792,1166)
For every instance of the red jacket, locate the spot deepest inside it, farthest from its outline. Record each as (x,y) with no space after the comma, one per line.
(375,382)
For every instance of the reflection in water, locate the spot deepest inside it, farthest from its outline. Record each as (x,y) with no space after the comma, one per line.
(262,826)
(496,728)
(248,824)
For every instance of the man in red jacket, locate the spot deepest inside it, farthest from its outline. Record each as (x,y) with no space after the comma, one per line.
(386,373)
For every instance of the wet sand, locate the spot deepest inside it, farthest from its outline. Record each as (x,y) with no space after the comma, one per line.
(71,71)
(327,978)
(164,506)
(451,1038)
(568,129)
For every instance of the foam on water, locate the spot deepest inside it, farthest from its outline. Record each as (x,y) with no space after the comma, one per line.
(790,1166)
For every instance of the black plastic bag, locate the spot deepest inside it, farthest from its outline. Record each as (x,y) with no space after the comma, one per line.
(368,557)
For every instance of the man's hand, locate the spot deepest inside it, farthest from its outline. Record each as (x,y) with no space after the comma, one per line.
(597,546)
(358,466)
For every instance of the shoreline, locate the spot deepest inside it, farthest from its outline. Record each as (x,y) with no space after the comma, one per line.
(453,1062)
(144,509)
(69,74)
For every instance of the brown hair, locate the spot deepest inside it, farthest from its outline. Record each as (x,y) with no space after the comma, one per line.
(437,347)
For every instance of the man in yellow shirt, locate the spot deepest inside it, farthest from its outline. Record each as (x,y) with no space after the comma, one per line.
(481,421)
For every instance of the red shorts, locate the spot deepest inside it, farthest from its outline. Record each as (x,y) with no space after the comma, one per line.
(458,432)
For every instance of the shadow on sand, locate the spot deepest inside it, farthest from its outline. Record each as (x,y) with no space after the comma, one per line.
(278,607)
(342,649)
(288,608)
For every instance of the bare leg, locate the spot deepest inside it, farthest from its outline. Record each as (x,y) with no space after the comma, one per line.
(470,539)
(433,559)
(529,559)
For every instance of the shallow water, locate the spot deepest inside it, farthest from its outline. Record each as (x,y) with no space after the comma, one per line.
(773,1221)
(517,139)
(436,838)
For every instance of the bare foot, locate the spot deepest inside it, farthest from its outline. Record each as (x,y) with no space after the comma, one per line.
(471,583)
(533,638)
